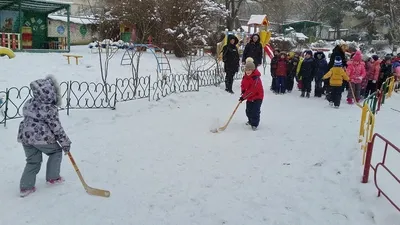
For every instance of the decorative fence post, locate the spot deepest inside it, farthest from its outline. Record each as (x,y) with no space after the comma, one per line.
(6,109)
(149,88)
(69,85)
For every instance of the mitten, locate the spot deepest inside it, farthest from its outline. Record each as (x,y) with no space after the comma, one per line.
(374,81)
(241,99)
(66,149)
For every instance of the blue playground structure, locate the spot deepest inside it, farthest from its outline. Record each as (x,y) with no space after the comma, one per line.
(163,65)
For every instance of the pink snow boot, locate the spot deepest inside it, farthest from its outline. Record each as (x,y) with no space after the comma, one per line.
(349,101)
(25,192)
(56,181)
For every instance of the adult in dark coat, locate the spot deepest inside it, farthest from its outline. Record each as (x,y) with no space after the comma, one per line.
(254,50)
(339,50)
(231,59)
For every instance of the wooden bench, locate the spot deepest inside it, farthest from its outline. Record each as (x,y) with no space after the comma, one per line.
(75,56)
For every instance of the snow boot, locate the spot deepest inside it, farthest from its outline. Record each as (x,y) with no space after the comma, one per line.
(302,94)
(25,192)
(331,103)
(248,123)
(56,181)
(254,128)
(308,95)
(349,101)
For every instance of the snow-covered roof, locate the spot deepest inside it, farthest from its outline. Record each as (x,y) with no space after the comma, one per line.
(256,19)
(301,36)
(77,20)
(331,29)
(58,2)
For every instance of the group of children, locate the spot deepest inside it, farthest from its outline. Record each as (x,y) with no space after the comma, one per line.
(361,77)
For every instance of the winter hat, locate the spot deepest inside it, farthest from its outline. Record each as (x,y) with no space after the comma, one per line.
(249,66)
(308,52)
(338,61)
(357,56)
(388,57)
(375,57)
(249,59)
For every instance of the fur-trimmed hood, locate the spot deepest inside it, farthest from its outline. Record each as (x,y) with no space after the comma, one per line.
(47,91)
(230,37)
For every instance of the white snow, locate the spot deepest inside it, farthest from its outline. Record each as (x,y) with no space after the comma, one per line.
(77,20)
(163,166)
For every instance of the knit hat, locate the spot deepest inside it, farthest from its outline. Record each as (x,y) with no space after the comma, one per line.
(338,61)
(249,66)
(308,52)
(249,59)
(375,57)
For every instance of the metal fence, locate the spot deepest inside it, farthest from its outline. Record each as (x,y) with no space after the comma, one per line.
(91,95)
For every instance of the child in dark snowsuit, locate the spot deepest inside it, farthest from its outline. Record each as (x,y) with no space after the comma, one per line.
(253,93)
(321,69)
(274,66)
(386,71)
(336,76)
(231,59)
(41,132)
(291,72)
(306,73)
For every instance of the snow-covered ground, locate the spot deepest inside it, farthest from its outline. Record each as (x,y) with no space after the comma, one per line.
(163,165)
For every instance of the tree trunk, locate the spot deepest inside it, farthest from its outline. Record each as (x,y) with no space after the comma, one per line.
(338,33)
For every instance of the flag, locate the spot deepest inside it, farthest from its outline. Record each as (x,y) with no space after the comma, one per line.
(269,51)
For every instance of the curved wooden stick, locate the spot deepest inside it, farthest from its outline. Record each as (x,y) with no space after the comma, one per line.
(89,190)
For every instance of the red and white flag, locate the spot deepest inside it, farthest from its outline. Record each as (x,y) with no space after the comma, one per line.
(269,51)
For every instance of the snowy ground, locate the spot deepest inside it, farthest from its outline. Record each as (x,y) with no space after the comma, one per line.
(163,166)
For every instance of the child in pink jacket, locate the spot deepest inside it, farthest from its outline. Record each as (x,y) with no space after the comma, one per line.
(373,75)
(356,71)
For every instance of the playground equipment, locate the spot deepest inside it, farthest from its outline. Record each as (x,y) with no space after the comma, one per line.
(77,57)
(133,50)
(6,52)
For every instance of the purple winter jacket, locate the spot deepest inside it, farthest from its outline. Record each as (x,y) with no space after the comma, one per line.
(41,124)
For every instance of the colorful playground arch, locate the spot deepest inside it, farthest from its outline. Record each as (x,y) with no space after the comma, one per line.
(6,52)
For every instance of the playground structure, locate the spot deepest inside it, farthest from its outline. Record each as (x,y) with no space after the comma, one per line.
(133,51)
(6,52)
(25,26)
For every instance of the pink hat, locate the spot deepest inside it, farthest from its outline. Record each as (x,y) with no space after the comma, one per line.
(357,56)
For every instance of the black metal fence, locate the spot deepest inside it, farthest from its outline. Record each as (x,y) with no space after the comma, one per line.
(90,95)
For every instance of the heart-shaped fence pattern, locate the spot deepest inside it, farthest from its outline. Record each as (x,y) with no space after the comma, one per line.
(163,87)
(185,83)
(91,95)
(15,100)
(131,89)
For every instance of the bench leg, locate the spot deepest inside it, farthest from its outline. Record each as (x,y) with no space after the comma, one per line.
(76,60)
(68,59)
